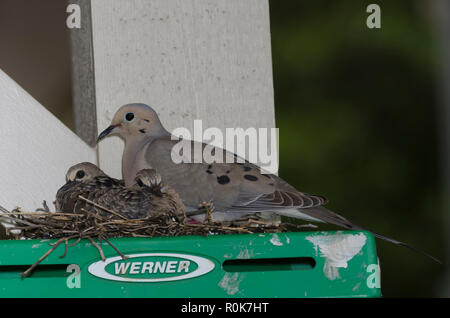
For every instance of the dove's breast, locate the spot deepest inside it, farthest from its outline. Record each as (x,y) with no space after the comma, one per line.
(134,160)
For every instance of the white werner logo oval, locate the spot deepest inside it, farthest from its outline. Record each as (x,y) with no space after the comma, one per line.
(151,267)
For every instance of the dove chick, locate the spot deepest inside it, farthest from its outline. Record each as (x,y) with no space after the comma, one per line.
(87,180)
(164,198)
(142,199)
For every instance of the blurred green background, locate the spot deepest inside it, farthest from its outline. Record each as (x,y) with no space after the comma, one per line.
(356,110)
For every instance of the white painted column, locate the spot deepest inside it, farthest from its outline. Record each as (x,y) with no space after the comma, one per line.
(188,59)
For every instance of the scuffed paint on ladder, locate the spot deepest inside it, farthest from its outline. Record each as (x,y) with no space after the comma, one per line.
(277,239)
(230,282)
(338,250)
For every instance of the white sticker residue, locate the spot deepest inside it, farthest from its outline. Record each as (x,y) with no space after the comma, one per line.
(275,240)
(230,283)
(245,254)
(338,250)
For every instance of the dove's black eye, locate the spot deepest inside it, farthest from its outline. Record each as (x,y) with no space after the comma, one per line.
(139,182)
(80,174)
(129,116)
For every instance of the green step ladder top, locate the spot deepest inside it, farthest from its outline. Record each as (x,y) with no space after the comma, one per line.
(292,265)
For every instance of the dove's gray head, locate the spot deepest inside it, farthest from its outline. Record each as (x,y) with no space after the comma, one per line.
(134,120)
(83,172)
(148,177)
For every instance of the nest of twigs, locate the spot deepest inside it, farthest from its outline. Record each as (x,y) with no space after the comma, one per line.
(97,222)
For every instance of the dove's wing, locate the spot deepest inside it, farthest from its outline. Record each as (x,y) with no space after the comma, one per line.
(130,203)
(67,197)
(233,187)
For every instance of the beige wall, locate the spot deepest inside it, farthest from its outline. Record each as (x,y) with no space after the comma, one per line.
(34,51)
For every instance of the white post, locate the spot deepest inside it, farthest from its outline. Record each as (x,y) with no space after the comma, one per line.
(83,91)
(188,59)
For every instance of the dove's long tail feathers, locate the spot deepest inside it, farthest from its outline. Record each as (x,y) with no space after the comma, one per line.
(322,214)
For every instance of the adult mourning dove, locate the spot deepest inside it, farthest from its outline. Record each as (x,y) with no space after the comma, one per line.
(146,196)
(235,189)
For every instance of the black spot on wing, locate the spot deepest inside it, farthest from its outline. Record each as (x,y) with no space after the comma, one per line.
(223,179)
(250,177)
(209,170)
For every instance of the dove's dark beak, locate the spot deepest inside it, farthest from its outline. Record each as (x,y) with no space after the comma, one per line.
(106,132)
